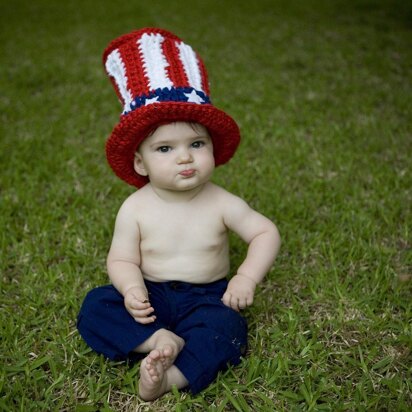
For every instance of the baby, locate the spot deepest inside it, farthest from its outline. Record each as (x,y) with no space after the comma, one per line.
(169,300)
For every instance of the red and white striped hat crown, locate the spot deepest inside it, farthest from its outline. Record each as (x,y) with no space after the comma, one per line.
(159,79)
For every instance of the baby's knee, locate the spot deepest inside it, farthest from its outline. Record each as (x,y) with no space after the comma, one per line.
(229,323)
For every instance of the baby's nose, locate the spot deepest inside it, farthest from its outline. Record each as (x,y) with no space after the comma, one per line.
(184,156)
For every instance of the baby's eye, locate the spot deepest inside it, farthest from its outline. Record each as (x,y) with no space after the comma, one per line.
(164,149)
(198,144)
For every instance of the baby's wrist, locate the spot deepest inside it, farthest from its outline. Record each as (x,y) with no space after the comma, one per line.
(247,277)
(129,288)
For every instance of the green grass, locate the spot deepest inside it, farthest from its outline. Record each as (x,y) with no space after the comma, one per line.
(322,91)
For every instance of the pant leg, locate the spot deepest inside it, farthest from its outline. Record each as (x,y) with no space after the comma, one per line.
(108,328)
(214,334)
(215,337)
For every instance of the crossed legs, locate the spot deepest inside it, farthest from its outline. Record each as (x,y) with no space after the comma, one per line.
(212,336)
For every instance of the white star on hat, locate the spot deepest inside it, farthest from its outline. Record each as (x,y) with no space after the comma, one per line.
(152,100)
(193,97)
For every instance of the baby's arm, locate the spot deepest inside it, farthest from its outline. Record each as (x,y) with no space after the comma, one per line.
(123,265)
(264,242)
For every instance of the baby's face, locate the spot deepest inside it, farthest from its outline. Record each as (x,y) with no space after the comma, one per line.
(177,156)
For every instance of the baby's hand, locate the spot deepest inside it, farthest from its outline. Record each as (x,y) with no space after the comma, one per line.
(138,305)
(239,293)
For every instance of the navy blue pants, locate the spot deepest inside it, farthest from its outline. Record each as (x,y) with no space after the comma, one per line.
(214,334)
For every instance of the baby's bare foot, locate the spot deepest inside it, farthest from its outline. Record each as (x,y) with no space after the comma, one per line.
(167,343)
(153,380)
(169,354)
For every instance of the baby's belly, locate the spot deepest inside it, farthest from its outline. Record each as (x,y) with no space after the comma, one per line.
(200,268)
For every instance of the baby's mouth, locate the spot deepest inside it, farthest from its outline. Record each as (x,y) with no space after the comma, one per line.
(187,173)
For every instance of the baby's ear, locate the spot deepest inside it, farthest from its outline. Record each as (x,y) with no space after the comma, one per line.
(139,165)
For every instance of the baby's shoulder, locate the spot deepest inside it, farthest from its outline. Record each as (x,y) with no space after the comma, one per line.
(222,200)
(220,196)
(136,201)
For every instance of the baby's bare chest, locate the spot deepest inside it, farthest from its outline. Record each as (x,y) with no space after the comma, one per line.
(181,229)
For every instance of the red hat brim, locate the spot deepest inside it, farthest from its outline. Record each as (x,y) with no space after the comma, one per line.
(135,126)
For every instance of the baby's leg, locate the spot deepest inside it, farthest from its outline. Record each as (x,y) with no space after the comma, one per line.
(215,336)
(166,343)
(155,380)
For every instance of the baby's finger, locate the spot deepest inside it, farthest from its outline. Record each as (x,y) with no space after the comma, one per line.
(226,298)
(137,304)
(145,320)
(242,303)
(141,313)
(234,303)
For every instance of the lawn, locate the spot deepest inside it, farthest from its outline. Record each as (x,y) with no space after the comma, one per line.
(322,93)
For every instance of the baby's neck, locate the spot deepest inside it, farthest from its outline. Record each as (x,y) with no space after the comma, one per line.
(174,196)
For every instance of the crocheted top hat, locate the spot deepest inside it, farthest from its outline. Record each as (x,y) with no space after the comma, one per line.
(159,79)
